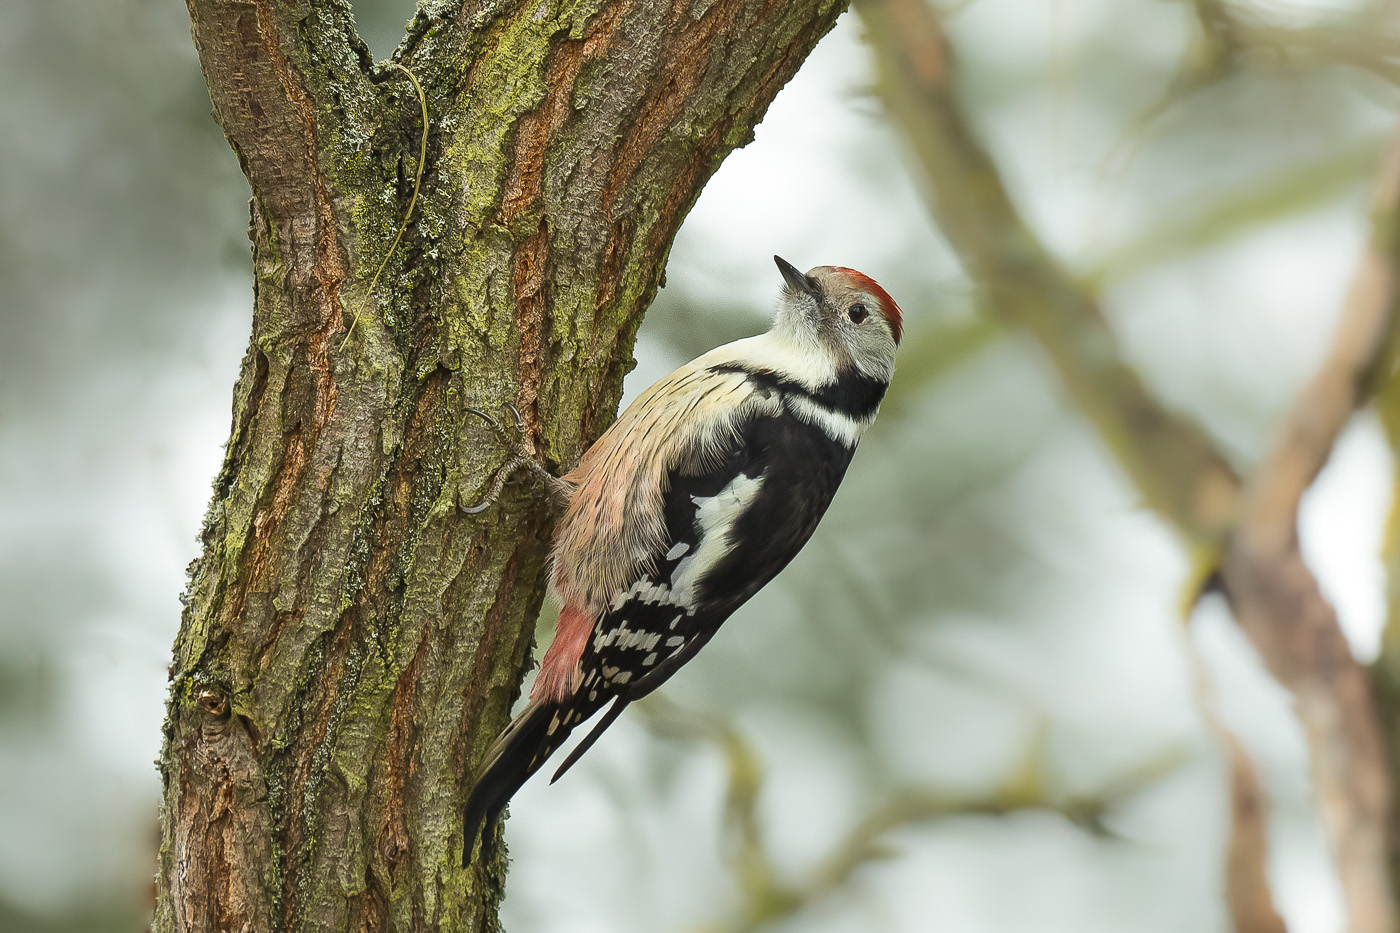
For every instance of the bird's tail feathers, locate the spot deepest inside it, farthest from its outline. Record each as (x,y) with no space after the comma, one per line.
(533,735)
(510,761)
(609,717)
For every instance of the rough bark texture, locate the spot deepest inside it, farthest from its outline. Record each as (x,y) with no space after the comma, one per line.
(351,642)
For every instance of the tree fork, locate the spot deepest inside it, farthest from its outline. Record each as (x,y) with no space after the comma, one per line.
(351,641)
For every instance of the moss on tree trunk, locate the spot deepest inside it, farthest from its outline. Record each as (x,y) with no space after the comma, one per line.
(352,641)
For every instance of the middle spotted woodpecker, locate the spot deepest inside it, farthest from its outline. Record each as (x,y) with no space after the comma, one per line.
(697,496)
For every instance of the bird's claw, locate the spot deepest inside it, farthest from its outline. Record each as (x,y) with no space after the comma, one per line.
(496,425)
(520,457)
(480,507)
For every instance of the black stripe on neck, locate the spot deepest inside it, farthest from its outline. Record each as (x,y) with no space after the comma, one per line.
(853,394)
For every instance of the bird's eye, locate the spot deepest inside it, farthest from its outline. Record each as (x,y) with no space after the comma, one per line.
(857,313)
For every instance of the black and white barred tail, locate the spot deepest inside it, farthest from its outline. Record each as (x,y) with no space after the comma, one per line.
(532,737)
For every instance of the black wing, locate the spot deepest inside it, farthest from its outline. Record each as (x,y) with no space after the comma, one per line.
(732,524)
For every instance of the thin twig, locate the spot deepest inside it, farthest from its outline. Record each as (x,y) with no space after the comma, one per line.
(417,183)
(1247,857)
(768,900)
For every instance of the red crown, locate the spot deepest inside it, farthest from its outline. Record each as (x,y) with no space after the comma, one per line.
(888,307)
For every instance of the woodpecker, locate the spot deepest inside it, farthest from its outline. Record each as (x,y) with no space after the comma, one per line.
(696,497)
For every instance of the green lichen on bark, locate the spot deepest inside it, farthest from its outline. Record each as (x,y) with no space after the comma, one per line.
(351,641)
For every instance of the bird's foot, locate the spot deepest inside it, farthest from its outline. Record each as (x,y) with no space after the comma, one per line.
(521,458)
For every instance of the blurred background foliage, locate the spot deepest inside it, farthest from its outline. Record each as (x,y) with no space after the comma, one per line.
(972,703)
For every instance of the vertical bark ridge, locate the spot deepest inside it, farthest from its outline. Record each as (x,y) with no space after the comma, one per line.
(360,638)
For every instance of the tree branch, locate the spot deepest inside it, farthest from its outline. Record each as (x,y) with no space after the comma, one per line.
(1344,382)
(1276,599)
(1273,594)
(1170,460)
(768,900)
(1247,859)
(282,78)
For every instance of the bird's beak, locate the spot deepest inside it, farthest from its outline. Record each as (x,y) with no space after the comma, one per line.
(803,283)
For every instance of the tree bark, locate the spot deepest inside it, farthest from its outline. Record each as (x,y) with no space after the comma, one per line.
(351,641)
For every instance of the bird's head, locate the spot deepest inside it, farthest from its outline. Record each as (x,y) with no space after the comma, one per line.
(841,312)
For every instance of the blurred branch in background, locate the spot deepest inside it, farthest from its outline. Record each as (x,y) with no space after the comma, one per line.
(100,920)
(1356,40)
(1276,600)
(1233,37)
(1171,461)
(1230,40)
(1219,31)
(1246,862)
(1385,672)
(1199,225)
(1247,854)
(767,899)
(1248,535)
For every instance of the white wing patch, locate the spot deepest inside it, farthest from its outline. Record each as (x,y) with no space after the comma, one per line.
(715,517)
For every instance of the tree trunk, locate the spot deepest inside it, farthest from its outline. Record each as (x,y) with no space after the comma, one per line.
(351,641)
